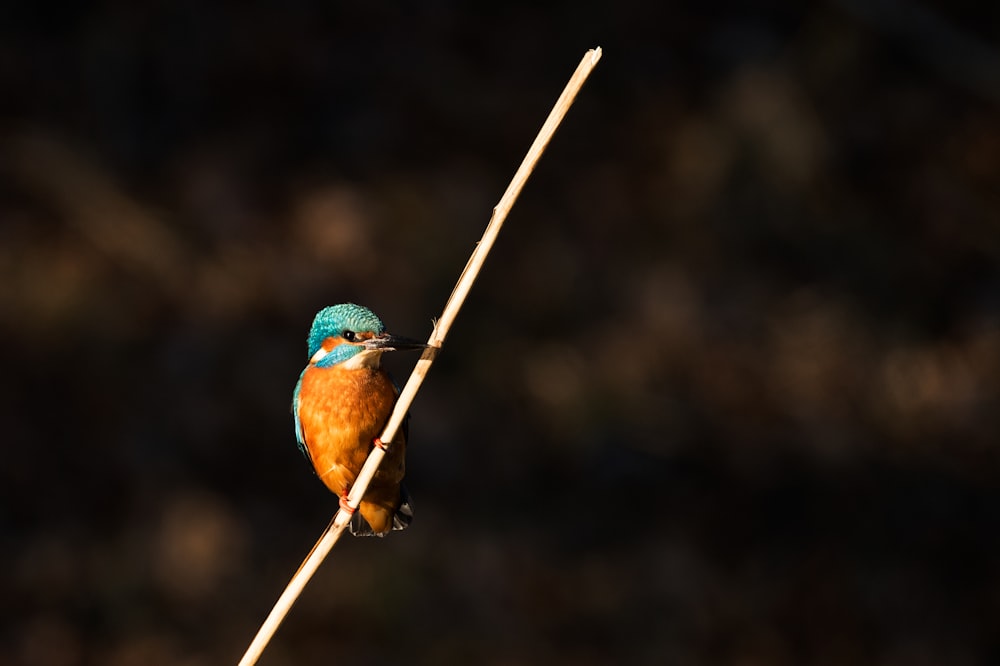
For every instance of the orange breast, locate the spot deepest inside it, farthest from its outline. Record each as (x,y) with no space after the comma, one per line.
(342,412)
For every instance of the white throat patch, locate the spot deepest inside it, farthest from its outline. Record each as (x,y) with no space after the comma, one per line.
(369,358)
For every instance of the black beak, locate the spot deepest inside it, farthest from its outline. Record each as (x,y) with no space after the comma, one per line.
(386,342)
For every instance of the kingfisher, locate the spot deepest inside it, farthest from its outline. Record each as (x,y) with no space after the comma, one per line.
(341,404)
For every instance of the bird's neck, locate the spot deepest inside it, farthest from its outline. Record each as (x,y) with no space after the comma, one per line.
(335,355)
(369,359)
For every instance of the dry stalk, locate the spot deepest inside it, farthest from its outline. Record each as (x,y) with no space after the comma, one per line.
(441,328)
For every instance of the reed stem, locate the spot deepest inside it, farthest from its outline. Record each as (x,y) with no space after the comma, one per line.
(336,527)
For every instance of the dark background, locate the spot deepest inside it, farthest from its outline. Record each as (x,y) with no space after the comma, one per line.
(726,392)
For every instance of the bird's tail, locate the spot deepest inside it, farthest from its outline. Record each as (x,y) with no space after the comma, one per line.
(400,520)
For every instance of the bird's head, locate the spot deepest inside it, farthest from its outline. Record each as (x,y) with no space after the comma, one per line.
(353,335)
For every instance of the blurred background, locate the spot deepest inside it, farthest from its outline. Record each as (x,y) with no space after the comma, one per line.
(726,392)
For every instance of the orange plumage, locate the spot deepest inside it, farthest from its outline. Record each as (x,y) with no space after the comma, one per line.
(341,405)
(342,412)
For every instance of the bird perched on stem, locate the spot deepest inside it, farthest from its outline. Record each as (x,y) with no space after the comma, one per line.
(341,404)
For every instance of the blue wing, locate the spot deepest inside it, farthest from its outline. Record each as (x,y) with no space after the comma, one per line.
(300,437)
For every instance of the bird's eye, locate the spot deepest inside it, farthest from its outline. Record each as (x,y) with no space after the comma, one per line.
(348,335)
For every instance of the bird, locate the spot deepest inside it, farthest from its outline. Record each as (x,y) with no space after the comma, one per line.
(341,404)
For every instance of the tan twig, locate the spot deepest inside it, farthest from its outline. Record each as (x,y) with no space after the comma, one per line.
(441,328)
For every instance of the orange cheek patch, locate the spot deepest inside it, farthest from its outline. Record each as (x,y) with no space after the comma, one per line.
(332,342)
